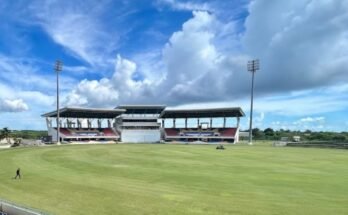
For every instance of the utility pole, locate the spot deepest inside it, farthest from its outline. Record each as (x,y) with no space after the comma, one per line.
(253,66)
(57,68)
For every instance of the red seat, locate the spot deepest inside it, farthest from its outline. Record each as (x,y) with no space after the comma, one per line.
(65,131)
(109,132)
(228,132)
(172,132)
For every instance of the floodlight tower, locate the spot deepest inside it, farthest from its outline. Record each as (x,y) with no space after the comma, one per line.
(57,68)
(253,65)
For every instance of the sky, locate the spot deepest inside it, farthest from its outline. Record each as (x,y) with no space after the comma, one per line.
(182,53)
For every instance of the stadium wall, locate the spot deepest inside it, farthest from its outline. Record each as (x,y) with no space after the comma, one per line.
(140,136)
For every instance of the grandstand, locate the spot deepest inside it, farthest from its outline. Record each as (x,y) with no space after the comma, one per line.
(143,123)
(84,124)
(202,131)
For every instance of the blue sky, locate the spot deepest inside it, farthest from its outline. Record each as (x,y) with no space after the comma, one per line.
(180,53)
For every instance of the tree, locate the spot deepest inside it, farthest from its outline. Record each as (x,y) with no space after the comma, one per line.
(269,132)
(257,133)
(308,131)
(339,138)
(5,134)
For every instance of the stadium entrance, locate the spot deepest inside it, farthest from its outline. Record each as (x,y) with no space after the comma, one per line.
(139,123)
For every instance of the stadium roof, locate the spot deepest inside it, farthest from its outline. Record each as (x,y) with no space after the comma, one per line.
(76,112)
(203,113)
(142,109)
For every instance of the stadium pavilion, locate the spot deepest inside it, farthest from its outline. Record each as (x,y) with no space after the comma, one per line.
(145,124)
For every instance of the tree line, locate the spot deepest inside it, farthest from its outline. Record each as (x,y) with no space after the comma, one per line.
(7,134)
(307,135)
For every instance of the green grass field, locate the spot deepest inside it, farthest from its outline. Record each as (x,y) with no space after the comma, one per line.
(177,179)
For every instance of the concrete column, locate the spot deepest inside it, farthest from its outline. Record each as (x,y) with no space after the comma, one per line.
(185,123)
(236,140)
(174,123)
(163,124)
(79,123)
(48,122)
(109,123)
(211,122)
(89,123)
(224,122)
(197,122)
(99,123)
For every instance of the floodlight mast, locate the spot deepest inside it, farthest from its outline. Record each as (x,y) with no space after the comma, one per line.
(57,68)
(253,66)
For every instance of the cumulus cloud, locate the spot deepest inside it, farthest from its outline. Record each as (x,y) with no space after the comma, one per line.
(196,67)
(107,92)
(192,69)
(93,93)
(300,43)
(16,105)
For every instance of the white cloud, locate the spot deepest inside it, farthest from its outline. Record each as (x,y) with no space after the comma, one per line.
(26,73)
(16,105)
(92,93)
(300,43)
(122,86)
(312,119)
(185,5)
(190,69)
(197,67)
(316,123)
(77,28)
(303,103)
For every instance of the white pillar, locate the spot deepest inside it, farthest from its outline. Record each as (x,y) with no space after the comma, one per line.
(237,131)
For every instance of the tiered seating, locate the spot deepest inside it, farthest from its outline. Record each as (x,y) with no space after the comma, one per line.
(88,132)
(228,132)
(109,132)
(222,132)
(65,131)
(172,132)
(85,132)
(196,132)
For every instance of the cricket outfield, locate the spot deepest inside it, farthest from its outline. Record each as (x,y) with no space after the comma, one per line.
(176,179)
